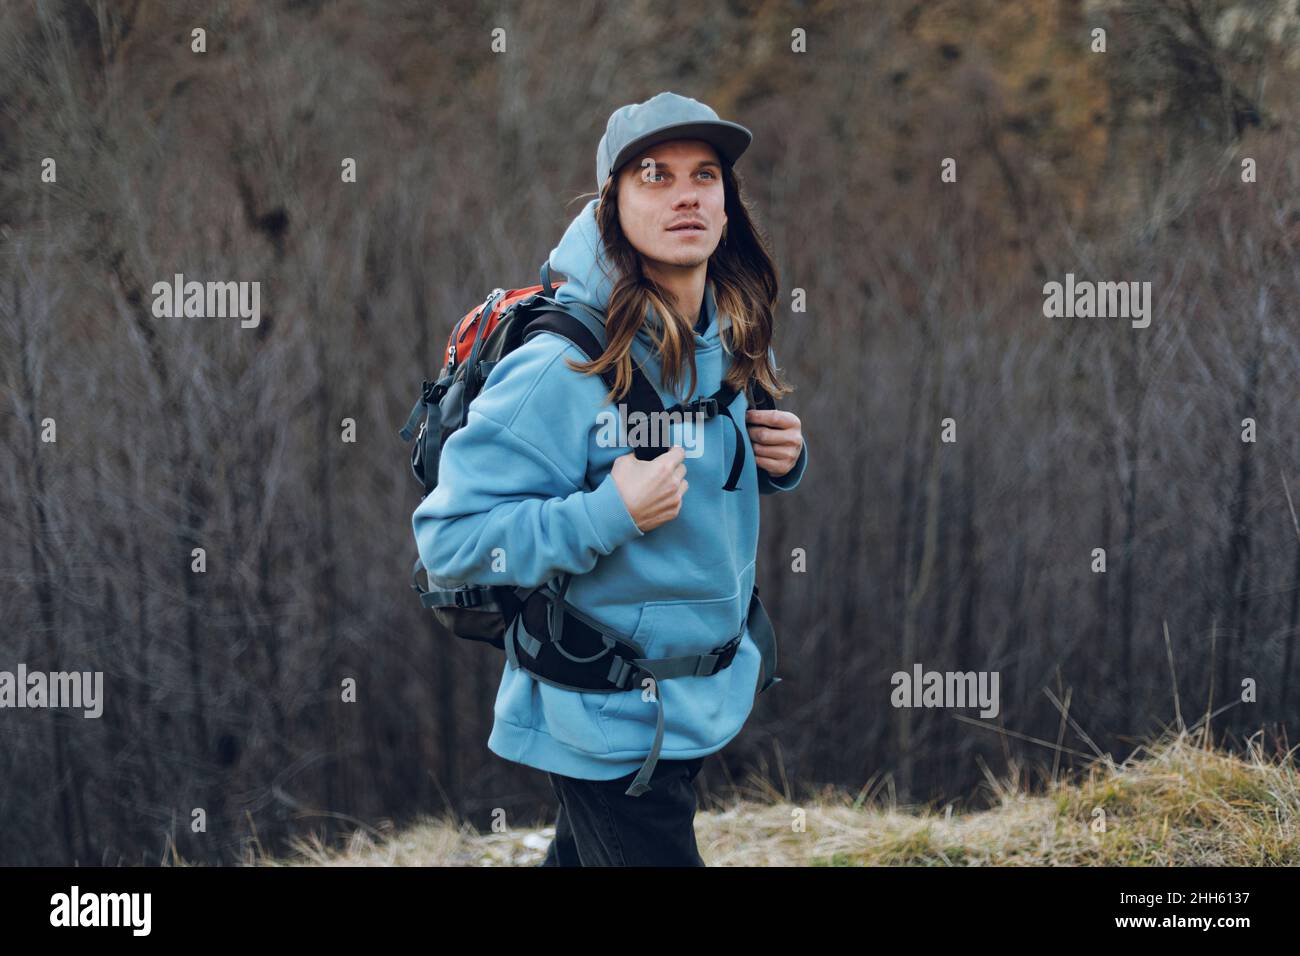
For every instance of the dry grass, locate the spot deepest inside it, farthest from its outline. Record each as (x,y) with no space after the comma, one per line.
(1176,802)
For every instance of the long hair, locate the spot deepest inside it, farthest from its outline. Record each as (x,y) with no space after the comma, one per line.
(745,287)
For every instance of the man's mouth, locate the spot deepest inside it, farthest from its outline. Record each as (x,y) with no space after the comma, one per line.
(687,227)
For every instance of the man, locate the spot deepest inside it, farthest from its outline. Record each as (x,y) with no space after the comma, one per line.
(670,262)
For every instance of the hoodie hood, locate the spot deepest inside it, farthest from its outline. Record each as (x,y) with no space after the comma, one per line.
(591,275)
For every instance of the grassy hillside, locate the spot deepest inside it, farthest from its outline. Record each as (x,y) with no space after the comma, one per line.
(1176,802)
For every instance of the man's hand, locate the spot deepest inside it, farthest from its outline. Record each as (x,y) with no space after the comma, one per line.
(652,490)
(776,437)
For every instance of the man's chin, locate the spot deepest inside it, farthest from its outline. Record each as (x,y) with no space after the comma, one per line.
(683,258)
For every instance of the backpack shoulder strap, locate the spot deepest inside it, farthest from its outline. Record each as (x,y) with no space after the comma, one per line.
(762,398)
(582,331)
(586,332)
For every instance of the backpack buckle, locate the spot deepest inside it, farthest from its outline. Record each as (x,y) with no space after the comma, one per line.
(709,406)
(468,598)
(431,392)
(726,652)
(619,671)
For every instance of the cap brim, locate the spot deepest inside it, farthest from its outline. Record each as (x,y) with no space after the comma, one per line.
(729,139)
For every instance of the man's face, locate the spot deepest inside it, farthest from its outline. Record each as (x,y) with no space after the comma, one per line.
(665,186)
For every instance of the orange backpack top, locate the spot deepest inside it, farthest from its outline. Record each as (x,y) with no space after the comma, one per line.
(463,333)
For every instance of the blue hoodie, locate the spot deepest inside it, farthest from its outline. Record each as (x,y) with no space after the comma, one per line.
(510,509)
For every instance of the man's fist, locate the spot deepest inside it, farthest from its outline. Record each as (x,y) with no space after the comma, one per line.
(777,438)
(652,490)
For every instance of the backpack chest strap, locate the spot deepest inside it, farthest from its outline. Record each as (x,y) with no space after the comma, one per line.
(719,403)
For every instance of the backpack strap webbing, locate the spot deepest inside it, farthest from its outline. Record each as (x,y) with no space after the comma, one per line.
(586,333)
(598,659)
(556,317)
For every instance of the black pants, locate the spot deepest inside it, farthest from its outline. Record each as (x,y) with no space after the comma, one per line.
(600,825)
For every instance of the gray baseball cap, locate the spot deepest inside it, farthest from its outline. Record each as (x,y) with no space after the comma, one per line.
(663,117)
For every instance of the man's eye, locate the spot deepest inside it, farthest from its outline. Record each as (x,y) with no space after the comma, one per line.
(707,172)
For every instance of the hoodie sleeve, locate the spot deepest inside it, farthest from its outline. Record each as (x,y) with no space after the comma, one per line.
(509,508)
(767,485)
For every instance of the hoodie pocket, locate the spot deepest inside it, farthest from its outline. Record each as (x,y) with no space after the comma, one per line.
(572,718)
(674,629)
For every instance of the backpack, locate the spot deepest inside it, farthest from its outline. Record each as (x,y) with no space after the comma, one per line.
(535,627)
